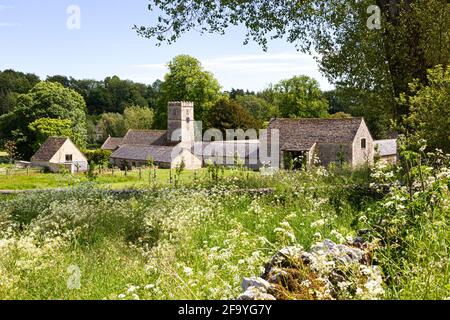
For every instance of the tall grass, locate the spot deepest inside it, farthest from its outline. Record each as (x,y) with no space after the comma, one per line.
(199,240)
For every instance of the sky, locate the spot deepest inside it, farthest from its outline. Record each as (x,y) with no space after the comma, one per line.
(35,37)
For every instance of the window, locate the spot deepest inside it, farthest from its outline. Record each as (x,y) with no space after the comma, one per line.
(188,119)
(363,143)
(68,158)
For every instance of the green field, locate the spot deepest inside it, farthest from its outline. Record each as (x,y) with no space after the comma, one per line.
(30,180)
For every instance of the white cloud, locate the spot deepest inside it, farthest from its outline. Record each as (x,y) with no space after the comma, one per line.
(4,7)
(252,71)
(10,24)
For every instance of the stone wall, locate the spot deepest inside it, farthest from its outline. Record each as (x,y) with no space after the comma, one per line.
(334,153)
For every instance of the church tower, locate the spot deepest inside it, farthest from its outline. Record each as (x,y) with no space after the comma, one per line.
(180,122)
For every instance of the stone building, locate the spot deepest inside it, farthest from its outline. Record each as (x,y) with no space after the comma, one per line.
(386,150)
(60,152)
(166,148)
(324,141)
(112,144)
(302,141)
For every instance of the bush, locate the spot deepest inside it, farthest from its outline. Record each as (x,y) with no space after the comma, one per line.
(98,157)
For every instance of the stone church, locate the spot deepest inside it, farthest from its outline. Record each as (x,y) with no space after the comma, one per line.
(321,141)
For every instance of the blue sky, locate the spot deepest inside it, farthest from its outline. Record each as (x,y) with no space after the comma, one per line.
(34,38)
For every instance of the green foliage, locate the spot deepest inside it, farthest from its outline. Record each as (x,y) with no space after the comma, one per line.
(258,107)
(44,128)
(139,118)
(45,100)
(229,114)
(373,65)
(11,150)
(98,157)
(300,97)
(13,83)
(429,117)
(134,117)
(187,81)
(112,124)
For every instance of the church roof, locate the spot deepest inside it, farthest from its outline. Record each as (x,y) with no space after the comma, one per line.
(143,153)
(145,137)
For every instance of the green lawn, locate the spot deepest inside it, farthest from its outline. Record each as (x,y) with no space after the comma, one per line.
(118,180)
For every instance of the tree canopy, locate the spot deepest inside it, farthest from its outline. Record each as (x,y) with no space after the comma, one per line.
(354,49)
(187,80)
(229,114)
(300,97)
(45,100)
(430,109)
(44,128)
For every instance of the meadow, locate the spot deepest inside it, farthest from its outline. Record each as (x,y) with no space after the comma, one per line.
(199,239)
(34,179)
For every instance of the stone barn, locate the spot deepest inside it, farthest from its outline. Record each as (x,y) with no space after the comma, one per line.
(324,141)
(60,152)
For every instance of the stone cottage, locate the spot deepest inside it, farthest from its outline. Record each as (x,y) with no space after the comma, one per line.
(60,152)
(324,141)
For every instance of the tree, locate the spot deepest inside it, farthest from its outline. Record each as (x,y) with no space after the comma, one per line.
(45,100)
(300,97)
(229,114)
(353,50)
(11,149)
(259,108)
(44,128)
(187,81)
(112,124)
(430,109)
(134,117)
(13,83)
(140,118)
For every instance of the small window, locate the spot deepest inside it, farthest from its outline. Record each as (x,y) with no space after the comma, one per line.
(188,119)
(363,143)
(68,158)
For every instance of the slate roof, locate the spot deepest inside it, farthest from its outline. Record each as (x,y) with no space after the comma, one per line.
(112,143)
(142,153)
(386,147)
(145,137)
(244,148)
(302,134)
(49,149)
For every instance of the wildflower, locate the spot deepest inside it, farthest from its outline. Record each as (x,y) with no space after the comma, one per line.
(188,271)
(318,223)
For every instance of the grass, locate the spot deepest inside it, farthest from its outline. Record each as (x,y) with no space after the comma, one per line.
(199,240)
(21,180)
